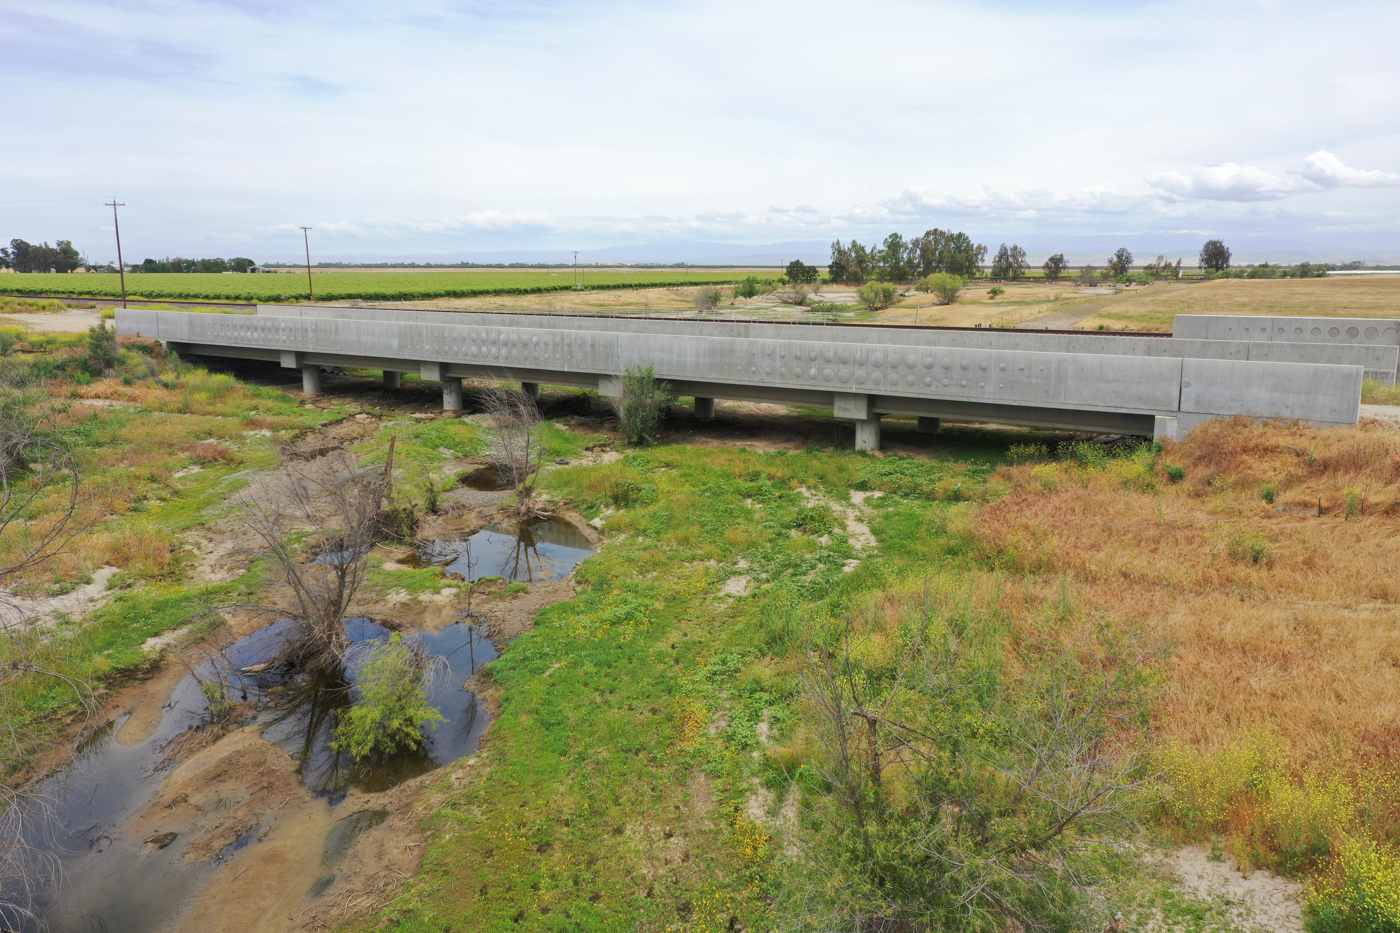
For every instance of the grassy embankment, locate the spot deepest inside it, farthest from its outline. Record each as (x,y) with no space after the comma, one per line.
(629,783)
(156,467)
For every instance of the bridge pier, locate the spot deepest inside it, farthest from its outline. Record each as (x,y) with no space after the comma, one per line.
(704,408)
(868,434)
(861,410)
(531,389)
(930,425)
(310,380)
(392,380)
(451,393)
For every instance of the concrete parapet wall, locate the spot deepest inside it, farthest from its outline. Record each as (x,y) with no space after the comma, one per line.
(997,380)
(1378,361)
(1347,331)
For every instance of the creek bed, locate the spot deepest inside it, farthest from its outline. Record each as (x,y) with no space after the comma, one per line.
(107,881)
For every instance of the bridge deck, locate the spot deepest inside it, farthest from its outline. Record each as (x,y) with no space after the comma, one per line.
(1121,384)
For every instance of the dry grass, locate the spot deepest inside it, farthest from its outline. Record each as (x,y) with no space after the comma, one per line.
(1335,296)
(1271,565)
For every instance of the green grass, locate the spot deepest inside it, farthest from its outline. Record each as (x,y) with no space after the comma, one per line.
(619,769)
(332,286)
(102,651)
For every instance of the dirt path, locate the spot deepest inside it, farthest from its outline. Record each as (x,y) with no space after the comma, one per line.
(1069,318)
(72,321)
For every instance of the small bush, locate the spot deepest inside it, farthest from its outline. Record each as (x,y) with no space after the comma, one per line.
(644,403)
(1248,547)
(8,339)
(211,452)
(994,291)
(708,298)
(877,296)
(393,705)
(102,349)
(1026,453)
(815,520)
(944,286)
(630,492)
(1175,472)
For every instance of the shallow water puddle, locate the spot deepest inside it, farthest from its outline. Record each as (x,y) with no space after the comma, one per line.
(526,552)
(110,878)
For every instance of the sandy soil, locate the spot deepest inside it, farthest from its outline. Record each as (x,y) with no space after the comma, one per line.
(1258,900)
(1388,415)
(58,322)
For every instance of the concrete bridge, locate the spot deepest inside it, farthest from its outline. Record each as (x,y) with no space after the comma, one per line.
(1147,385)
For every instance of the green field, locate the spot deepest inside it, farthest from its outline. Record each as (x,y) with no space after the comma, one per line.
(331,286)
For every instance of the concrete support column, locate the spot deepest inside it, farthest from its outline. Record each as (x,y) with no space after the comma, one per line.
(704,408)
(532,389)
(451,393)
(868,434)
(930,425)
(1165,427)
(392,380)
(311,380)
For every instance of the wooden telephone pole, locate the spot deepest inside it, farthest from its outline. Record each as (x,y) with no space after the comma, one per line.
(306,238)
(121,266)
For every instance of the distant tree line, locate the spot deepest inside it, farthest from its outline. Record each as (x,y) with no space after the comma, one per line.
(178,264)
(40,257)
(901,260)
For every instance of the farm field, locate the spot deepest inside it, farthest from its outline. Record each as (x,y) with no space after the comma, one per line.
(384,285)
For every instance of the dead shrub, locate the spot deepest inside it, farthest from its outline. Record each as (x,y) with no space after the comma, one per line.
(211,452)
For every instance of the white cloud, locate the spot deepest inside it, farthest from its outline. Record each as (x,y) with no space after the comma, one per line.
(1228,182)
(1324,169)
(917,202)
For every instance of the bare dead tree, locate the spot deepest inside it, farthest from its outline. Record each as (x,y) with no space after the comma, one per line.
(516,449)
(41,509)
(339,505)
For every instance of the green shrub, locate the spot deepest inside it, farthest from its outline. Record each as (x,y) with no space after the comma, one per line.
(944,286)
(815,520)
(392,707)
(102,349)
(8,339)
(644,403)
(994,291)
(877,295)
(518,588)
(1175,472)
(1248,547)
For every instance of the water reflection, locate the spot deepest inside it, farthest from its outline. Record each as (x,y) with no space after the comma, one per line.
(527,552)
(109,883)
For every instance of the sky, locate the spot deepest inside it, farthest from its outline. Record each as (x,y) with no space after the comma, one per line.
(698,131)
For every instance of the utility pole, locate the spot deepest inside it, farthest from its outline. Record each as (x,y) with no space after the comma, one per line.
(121,266)
(575,268)
(306,238)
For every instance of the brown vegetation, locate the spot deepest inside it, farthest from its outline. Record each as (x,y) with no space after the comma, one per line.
(1271,565)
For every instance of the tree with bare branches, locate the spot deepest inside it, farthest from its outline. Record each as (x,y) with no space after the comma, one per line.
(38,468)
(341,505)
(517,447)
